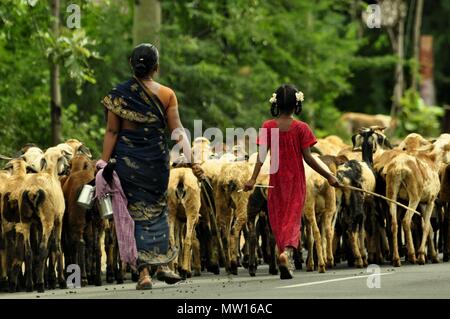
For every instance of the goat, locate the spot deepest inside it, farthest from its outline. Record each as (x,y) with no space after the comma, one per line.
(356,121)
(201,150)
(352,205)
(330,145)
(231,207)
(413,177)
(184,206)
(4,176)
(11,266)
(257,213)
(41,203)
(79,220)
(319,210)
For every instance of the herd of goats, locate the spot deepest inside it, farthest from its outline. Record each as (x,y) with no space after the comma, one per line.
(43,229)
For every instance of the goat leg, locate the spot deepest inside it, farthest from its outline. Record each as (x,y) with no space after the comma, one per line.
(252,265)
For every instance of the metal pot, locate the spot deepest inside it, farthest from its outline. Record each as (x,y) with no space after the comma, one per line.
(105,206)
(86,197)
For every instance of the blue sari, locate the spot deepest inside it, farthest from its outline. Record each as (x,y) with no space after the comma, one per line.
(142,157)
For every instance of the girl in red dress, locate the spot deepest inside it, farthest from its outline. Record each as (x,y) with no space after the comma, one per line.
(287,195)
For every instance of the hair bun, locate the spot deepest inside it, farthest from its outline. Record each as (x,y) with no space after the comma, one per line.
(144,59)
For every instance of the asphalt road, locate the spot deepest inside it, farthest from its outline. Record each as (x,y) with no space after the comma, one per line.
(408,281)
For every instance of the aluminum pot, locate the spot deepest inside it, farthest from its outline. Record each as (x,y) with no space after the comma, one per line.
(86,197)
(105,206)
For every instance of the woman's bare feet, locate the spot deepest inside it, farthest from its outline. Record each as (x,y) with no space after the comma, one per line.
(164,273)
(145,281)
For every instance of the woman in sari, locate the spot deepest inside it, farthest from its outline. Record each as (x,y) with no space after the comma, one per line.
(138,112)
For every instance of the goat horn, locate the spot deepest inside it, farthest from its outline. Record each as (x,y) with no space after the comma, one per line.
(6,158)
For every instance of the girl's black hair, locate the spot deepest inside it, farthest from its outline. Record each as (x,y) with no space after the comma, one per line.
(144,59)
(286,101)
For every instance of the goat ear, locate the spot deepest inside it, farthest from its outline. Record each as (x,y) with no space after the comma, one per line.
(30,169)
(8,165)
(354,140)
(447,148)
(43,164)
(82,149)
(68,155)
(357,142)
(6,158)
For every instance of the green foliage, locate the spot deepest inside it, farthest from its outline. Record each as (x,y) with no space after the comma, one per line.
(26,49)
(90,131)
(224,59)
(417,117)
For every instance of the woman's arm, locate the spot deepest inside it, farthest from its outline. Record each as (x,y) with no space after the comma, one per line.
(311,161)
(110,139)
(177,132)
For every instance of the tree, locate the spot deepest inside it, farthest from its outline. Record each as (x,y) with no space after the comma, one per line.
(417,28)
(55,88)
(393,13)
(147,21)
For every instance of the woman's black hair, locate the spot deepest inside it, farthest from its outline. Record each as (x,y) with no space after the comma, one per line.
(144,59)
(286,101)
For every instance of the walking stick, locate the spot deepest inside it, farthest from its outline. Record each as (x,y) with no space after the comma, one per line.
(380,196)
(207,190)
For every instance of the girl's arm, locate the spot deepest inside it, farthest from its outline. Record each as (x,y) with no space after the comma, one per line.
(259,163)
(110,139)
(311,161)
(174,123)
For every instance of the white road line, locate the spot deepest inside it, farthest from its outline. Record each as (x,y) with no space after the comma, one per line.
(331,280)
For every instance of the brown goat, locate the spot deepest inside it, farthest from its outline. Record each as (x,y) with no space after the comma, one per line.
(184,206)
(82,229)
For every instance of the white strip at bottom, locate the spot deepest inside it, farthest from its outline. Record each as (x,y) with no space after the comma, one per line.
(331,280)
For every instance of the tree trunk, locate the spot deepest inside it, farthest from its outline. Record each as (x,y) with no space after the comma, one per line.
(399,73)
(55,88)
(146,22)
(427,90)
(417,28)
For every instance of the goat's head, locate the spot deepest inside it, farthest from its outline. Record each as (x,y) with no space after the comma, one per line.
(33,157)
(201,140)
(56,159)
(17,166)
(414,142)
(371,138)
(81,163)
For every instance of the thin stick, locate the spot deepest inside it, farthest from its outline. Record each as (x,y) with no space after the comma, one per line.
(257,185)
(381,196)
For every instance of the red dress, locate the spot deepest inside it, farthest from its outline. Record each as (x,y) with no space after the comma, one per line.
(286,198)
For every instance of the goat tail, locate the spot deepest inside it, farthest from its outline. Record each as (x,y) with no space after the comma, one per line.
(180,190)
(232,186)
(32,199)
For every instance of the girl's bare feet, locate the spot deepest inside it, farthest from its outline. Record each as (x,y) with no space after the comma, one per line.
(286,264)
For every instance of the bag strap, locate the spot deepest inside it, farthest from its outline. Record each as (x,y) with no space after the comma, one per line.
(154,99)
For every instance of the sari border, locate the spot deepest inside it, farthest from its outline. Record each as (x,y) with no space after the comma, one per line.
(115,105)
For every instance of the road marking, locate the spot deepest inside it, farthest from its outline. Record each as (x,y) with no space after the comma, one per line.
(330,280)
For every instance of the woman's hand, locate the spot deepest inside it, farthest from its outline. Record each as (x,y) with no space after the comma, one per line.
(198,171)
(333,181)
(249,185)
